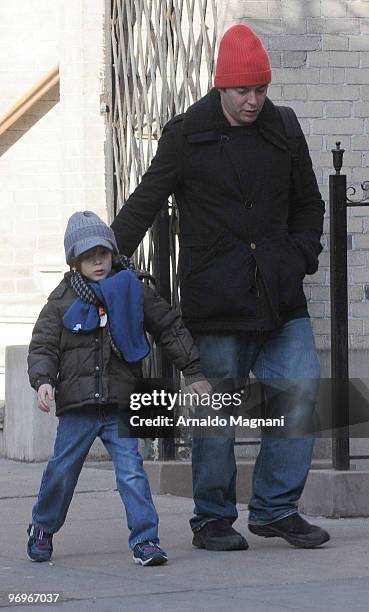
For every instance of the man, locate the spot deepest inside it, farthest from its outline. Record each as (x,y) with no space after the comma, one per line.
(249,232)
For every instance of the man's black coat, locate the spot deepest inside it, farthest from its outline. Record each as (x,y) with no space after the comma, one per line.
(248,232)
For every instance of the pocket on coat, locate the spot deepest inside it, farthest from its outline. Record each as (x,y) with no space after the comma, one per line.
(217,280)
(195,255)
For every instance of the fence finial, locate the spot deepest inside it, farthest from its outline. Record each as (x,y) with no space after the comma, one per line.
(338,157)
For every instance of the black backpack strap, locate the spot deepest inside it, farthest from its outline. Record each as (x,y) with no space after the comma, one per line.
(293,133)
(291,124)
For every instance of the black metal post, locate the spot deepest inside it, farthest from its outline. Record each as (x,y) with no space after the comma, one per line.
(161,268)
(339,314)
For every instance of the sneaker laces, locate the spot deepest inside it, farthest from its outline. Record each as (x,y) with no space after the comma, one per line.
(40,535)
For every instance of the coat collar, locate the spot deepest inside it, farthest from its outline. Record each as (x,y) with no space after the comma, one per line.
(204,120)
(205,115)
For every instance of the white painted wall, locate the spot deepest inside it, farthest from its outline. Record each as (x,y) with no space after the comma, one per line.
(57,164)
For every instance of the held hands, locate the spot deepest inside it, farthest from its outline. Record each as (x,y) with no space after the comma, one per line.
(199,388)
(45,395)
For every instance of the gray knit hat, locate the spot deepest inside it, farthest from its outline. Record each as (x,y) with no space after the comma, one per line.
(85,230)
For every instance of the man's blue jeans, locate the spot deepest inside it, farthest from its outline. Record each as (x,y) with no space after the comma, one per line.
(287,357)
(76,432)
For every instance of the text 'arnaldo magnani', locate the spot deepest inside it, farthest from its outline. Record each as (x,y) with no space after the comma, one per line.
(232,408)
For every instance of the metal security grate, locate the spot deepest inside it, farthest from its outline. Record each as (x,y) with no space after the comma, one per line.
(161,55)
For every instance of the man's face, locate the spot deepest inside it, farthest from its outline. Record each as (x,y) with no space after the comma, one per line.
(96,263)
(242,105)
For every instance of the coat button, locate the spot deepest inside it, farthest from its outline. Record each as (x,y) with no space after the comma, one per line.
(97,394)
(253,246)
(249,204)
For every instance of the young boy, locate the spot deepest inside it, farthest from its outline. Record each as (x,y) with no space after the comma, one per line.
(86,351)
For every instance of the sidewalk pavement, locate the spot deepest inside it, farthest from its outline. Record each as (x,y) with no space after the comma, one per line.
(92,566)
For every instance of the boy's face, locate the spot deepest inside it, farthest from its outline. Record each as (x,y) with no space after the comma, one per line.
(95,263)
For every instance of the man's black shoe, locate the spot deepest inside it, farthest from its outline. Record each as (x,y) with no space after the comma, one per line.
(219,535)
(295,530)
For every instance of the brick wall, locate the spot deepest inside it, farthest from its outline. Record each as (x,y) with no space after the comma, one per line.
(320,57)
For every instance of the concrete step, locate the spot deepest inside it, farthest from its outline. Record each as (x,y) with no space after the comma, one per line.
(327,492)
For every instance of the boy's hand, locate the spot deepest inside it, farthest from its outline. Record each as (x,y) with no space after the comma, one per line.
(45,394)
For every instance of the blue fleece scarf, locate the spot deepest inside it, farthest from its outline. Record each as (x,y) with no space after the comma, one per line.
(122,295)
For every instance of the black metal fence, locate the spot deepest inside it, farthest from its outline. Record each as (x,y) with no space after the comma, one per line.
(338,204)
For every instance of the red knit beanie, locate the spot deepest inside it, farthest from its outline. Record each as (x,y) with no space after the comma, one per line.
(242,59)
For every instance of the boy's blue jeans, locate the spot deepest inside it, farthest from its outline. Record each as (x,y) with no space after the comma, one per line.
(75,434)
(287,358)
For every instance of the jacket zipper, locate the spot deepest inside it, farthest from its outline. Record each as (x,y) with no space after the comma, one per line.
(101,356)
(98,365)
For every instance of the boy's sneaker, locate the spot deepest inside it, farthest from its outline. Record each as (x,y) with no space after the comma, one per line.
(39,545)
(149,553)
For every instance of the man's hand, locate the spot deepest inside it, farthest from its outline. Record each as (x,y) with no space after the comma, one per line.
(45,394)
(199,388)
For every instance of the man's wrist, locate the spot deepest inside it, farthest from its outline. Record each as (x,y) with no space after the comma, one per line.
(43,380)
(189,380)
